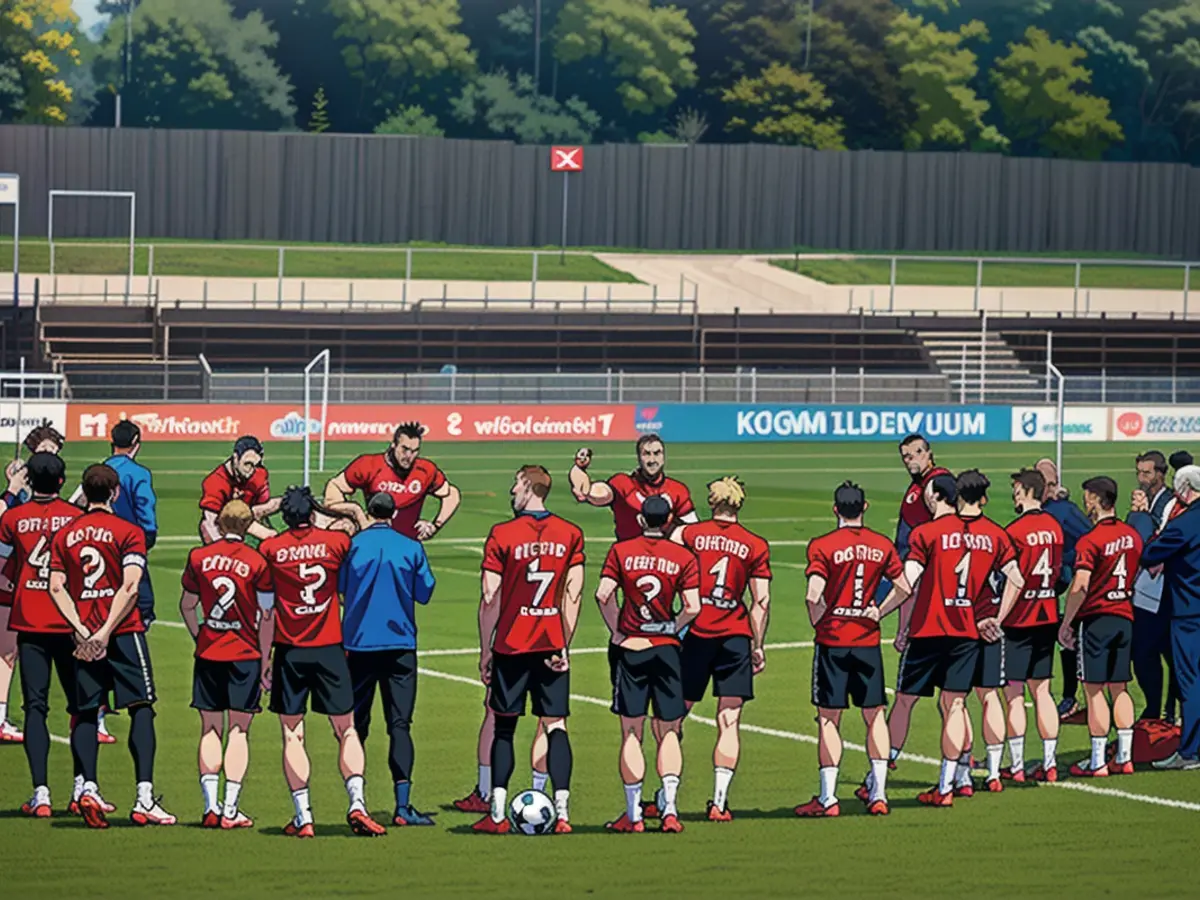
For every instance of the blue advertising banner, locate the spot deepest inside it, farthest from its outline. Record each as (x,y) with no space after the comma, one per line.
(736,422)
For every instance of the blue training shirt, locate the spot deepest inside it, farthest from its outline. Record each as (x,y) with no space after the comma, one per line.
(1177,549)
(384,576)
(135,502)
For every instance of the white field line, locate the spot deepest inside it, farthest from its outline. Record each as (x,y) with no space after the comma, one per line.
(477,541)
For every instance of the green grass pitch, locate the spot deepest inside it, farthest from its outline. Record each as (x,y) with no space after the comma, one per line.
(1129,836)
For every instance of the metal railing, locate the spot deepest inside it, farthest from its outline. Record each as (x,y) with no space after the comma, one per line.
(32,386)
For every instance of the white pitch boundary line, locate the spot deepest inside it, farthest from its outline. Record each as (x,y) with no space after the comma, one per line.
(195,539)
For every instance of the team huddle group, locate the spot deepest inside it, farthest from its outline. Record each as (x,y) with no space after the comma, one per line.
(321,615)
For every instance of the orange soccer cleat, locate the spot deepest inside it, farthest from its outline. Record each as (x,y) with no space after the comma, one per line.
(994,786)
(1079,771)
(650,811)
(934,797)
(92,812)
(488,825)
(863,793)
(241,820)
(1017,777)
(562,826)
(36,810)
(73,807)
(1048,776)
(291,829)
(624,826)
(473,803)
(878,808)
(211,820)
(815,809)
(1125,768)
(671,824)
(11,734)
(363,825)
(965,791)
(718,815)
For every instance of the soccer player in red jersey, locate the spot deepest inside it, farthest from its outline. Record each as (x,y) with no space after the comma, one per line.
(626,493)
(650,571)
(241,477)
(43,636)
(408,477)
(308,659)
(532,585)
(227,604)
(96,564)
(1031,629)
(844,570)
(725,643)
(1098,624)
(952,557)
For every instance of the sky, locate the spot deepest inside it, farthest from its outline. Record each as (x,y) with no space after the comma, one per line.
(86,9)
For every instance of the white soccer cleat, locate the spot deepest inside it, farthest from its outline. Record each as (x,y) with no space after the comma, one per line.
(11,734)
(154,815)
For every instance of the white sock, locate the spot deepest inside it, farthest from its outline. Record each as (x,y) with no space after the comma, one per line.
(303,807)
(499,803)
(89,788)
(878,785)
(894,754)
(829,777)
(1124,745)
(77,792)
(356,790)
(101,726)
(946,779)
(1098,747)
(722,777)
(1049,753)
(994,754)
(145,794)
(1016,750)
(484,785)
(233,790)
(539,780)
(41,795)
(561,799)
(670,789)
(209,785)
(3,712)
(633,802)
(962,770)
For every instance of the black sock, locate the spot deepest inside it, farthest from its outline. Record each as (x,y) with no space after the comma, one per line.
(1070,676)
(37,744)
(503,760)
(400,751)
(559,759)
(84,744)
(142,742)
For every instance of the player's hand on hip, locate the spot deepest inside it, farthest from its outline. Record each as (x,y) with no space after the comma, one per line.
(425,530)
(266,679)
(758,660)
(1066,636)
(901,641)
(559,662)
(989,630)
(871,613)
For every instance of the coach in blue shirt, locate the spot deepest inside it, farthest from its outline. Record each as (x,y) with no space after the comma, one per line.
(1177,549)
(135,501)
(382,579)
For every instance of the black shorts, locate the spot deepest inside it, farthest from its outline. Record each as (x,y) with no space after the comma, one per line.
(125,670)
(725,660)
(842,675)
(990,670)
(1029,652)
(649,677)
(517,674)
(227,686)
(1103,644)
(320,672)
(37,655)
(948,663)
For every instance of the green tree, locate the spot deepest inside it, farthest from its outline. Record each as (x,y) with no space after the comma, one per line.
(937,70)
(1169,103)
(318,122)
(410,120)
(498,106)
(1038,91)
(198,66)
(784,106)
(38,50)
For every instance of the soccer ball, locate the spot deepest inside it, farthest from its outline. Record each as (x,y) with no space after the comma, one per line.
(532,812)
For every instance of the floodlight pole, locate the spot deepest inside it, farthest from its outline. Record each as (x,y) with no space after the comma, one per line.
(1058,432)
(20,413)
(322,357)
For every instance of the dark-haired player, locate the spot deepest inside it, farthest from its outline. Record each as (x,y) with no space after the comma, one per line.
(308,658)
(242,476)
(43,636)
(1031,629)
(844,570)
(532,585)
(952,557)
(650,571)
(1098,624)
(407,477)
(95,565)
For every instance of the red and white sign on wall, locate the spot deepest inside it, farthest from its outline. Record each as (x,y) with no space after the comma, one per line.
(566,159)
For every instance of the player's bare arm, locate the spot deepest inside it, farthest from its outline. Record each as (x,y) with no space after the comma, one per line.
(569,613)
(209,532)
(259,530)
(606,599)
(896,597)
(489,618)
(676,535)
(814,595)
(691,608)
(266,637)
(760,613)
(1078,593)
(451,497)
(338,490)
(189,608)
(989,629)
(65,604)
(595,493)
(263,510)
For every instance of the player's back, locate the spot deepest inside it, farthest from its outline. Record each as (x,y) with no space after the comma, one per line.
(728,555)
(303,564)
(651,571)
(1038,540)
(853,561)
(532,554)
(93,551)
(28,530)
(1111,551)
(228,576)
(630,491)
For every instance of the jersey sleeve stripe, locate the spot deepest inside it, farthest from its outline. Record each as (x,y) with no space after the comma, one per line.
(134,559)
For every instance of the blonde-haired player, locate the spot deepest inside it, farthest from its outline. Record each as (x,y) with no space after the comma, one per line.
(725,643)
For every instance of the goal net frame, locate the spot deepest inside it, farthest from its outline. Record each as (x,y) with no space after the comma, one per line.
(321,359)
(131,196)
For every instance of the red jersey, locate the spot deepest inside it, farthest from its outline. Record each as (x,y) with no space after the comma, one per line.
(1111,552)
(26,532)
(303,564)
(853,561)
(651,572)
(376,472)
(219,487)
(958,555)
(229,577)
(913,511)
(93,551)
(630,492)
(728,556)
(1038,539)
(532,554)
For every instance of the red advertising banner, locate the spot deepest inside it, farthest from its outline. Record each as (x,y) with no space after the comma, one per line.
(226,422)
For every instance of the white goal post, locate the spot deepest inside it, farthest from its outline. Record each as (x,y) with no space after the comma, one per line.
(131,196)
(1052,370)
(321,359)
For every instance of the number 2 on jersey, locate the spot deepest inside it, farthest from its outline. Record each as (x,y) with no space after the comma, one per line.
(314,577)
(226,590)
(651,587)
